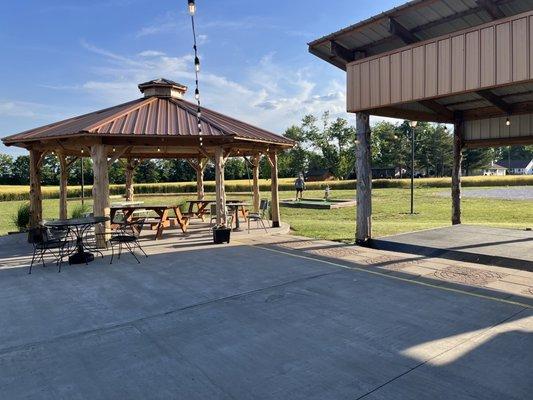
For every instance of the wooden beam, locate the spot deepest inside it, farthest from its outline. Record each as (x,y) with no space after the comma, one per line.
(491,8)
(364,180)
(274,190)
(219,186)
(117,154)
(495,100)
(100,192)
(255,176)
(456,171)
(36,200)
(63,182)
(412,115)
(499,142)
(398,30)
(131,164)
(437,108)
(345,54)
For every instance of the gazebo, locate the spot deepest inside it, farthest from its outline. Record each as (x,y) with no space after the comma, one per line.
(159,125)
(464,62)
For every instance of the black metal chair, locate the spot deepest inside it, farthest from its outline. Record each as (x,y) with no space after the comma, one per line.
(127,235)
(55,241)
(259,216)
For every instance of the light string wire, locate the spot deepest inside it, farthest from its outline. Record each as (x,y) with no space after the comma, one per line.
(192,9)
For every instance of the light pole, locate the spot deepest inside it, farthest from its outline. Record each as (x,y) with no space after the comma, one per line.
(412,124)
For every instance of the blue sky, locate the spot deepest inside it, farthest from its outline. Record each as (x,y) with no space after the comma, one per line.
(63,58)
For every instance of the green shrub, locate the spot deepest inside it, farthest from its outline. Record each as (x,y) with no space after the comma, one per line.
(22,218)
(80,210)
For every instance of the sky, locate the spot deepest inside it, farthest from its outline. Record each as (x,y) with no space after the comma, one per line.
(65,58)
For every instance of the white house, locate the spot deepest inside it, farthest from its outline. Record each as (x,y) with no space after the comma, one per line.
(494,169)
(518,167)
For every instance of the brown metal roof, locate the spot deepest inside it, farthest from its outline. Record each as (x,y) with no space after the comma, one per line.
(425,19)
(154,117)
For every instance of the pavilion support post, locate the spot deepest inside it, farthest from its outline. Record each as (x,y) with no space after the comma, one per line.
(36,206)
(219,183)
(456,171)
(100,192)
(364,180)
(200,168)
(63,182)
(130,170)
(274,189)
(255,174)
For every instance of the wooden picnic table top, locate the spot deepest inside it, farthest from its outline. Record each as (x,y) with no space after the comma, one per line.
(143,207)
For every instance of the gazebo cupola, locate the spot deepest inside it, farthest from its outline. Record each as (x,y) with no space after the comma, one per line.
(162,88)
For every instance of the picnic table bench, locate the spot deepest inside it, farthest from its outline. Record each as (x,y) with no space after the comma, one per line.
(163,220)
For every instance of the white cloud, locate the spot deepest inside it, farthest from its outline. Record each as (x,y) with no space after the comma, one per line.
(267,94)
(151,53)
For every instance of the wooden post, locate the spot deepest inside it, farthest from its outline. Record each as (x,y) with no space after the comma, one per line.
(36,205)
(200,168)
(364,180)
(274,189)
(255,173)
(100,191)
(130,169)
(63,182)
(219,182)
(456,171)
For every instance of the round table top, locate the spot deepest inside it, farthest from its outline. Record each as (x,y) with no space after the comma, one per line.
(77,221)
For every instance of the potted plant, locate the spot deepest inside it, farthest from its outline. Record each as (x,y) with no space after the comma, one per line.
(221,234)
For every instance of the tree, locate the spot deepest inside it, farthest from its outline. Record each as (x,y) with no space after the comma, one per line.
(477,158)
(147,172)
(6,169)
(21,170)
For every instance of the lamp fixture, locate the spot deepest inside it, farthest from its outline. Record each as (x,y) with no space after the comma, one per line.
(114,149)
(507,121)
(192,7)
(413,124)
(158,149)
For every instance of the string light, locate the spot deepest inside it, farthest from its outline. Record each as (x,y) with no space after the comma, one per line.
(81,151)
(114,149)
(192,7)
(192,11)
(159,149)
(507,121)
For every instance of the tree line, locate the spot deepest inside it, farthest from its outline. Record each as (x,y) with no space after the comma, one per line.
(322,144)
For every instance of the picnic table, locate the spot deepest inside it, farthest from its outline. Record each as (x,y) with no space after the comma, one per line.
(164,219)
(201,208)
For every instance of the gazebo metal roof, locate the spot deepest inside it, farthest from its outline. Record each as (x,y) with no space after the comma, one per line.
(158,115)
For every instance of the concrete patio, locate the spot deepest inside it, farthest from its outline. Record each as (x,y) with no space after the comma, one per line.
(267,317)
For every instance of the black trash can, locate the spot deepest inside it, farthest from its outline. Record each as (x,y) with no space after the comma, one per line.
(221,235)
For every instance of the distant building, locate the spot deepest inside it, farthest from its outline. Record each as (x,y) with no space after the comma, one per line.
(518,167)
(316,175)
(493,169)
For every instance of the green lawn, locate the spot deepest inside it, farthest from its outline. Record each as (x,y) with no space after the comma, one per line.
(390,207)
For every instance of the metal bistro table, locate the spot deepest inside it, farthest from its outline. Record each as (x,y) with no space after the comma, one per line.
(79,227)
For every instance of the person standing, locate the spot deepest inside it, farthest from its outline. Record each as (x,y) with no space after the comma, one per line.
(299,184)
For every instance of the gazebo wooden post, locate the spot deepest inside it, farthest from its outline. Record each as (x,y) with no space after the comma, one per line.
(100,191)
(456,171)
(219,183)
(63,182)
(200,168)
(364,179)
(130,169)
(36,206)
(273,156)
(255,174)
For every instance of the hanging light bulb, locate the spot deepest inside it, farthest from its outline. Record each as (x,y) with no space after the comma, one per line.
(196,94)
(81,151)
(192,7)
(199,114)
(507,121)
(197,64)
(114,149)
(158,149)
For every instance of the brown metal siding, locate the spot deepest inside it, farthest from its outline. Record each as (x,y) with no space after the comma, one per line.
(496,53)
(496,128)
